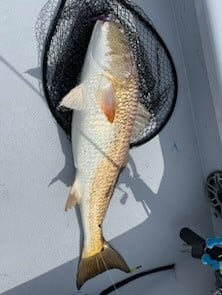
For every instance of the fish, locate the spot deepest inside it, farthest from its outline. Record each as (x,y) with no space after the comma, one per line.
(107,114)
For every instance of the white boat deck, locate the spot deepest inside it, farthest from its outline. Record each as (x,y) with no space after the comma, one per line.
(161,191)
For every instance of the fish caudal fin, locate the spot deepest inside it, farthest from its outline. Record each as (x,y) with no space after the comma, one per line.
(106,259)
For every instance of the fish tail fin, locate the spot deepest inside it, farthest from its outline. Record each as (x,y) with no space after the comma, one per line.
(107,258)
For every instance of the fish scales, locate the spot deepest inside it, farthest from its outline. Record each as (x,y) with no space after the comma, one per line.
(106,104)
(109,168)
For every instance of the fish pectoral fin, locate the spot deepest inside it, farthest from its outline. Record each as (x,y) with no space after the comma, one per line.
(106,98)
(74,99)
(141,121)
(73,198)
(91,266)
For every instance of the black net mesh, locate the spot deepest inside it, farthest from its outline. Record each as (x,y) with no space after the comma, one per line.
(66,46)
(214,189)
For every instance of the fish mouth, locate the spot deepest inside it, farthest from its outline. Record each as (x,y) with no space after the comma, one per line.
(104,18)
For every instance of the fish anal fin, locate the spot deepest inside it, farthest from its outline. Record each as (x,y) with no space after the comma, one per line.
(74,99)
(106,99)
(71,201)
(73,198)
(91,266)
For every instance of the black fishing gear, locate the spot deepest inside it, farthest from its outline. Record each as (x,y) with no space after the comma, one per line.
(209,251)
(214,190)
(65,49)
(136,277)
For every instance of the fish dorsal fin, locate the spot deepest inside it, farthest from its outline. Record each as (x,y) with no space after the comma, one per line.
(74,99)
(106,98)
(142,118)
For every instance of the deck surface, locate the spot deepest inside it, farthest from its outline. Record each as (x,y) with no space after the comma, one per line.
(160,191)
